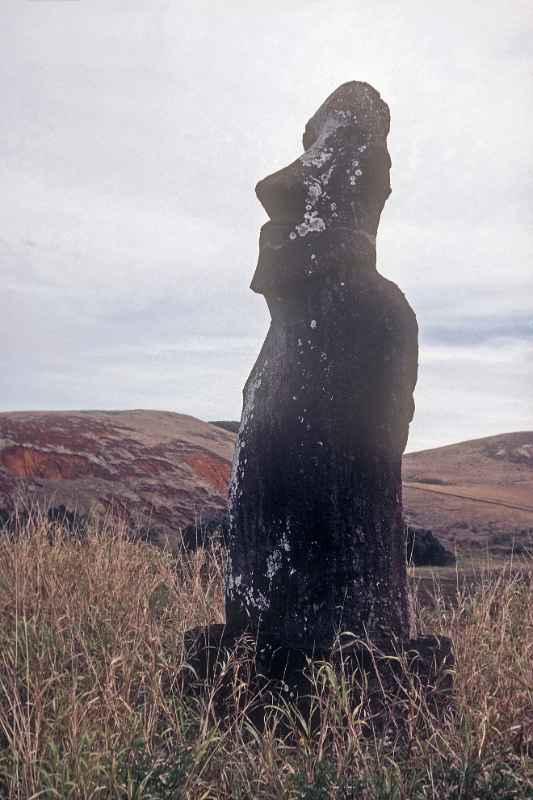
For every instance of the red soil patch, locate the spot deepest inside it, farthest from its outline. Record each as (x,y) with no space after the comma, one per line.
(25,462)
(213,469)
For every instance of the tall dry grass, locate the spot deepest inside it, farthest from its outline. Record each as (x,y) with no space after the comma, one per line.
(92,704)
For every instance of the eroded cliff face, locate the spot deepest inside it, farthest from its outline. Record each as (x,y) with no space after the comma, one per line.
(316,530)
(153,469)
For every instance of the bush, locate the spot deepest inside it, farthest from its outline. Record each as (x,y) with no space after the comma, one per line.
(424,549)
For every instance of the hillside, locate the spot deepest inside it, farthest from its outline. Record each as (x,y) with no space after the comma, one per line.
(160,470)
(155,469)
(476,492)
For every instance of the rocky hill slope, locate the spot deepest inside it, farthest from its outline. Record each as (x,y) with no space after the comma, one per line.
(155,469)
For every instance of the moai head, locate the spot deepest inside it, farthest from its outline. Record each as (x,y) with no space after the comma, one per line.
(333,193)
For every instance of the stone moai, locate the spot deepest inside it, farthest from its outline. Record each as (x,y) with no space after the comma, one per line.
(316,537)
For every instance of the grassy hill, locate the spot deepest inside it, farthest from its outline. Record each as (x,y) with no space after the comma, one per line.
(153,469)
(477,493)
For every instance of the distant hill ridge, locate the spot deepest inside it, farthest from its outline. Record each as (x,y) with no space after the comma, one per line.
(162,470)
(228,425)
(473,492)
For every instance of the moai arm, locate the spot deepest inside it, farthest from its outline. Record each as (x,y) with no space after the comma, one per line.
(403,336)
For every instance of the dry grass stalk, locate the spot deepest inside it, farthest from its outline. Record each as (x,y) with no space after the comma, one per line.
(91,701)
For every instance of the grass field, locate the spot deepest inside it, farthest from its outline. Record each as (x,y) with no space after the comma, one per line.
(471,571)
(92,670)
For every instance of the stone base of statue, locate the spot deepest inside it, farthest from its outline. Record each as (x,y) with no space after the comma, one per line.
(257,675)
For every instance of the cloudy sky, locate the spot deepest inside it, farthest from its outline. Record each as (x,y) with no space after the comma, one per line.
(134,132)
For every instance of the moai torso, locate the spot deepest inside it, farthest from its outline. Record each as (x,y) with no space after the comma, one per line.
(316,541)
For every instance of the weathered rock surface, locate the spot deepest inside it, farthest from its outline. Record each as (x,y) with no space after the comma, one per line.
(316,538)
(155,469)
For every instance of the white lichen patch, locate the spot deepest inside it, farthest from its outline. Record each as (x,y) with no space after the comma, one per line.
(312,222)
(284,541)
(273,564)
(250,598)
(325,176)
(317,155)
(314,192)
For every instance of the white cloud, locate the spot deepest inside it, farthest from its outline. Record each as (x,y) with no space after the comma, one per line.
(134,136)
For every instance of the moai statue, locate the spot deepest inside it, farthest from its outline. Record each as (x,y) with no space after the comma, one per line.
(316,538)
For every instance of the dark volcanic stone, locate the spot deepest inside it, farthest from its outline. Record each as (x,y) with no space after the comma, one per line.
(275,673)
(317,541)
(424,549)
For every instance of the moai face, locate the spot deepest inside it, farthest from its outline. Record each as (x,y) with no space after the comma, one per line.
(342,178)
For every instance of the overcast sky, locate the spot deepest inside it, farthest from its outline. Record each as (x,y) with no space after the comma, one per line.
(134,132)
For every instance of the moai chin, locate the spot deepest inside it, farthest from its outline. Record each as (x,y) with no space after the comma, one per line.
(316,540)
